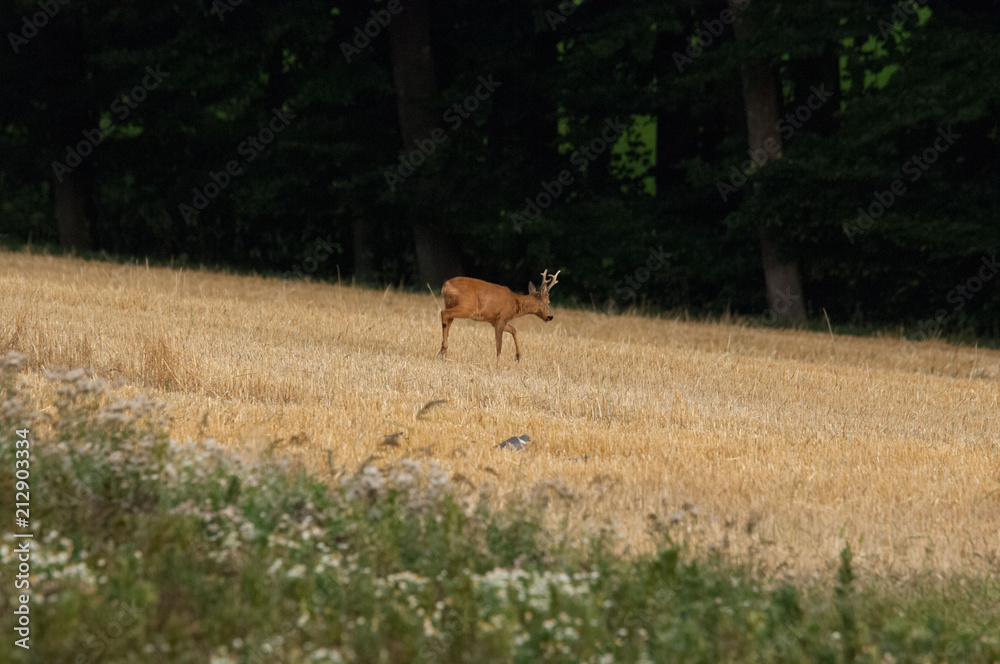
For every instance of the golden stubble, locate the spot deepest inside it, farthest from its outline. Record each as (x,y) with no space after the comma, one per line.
(774,447)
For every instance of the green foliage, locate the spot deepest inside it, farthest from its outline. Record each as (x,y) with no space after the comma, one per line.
(148,549)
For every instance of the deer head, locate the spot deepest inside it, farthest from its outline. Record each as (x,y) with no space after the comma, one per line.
(542,294)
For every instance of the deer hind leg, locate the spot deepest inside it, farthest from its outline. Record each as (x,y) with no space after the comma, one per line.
(517,344)
(499,330)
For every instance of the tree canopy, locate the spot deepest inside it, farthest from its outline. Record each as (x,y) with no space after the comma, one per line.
(623,143)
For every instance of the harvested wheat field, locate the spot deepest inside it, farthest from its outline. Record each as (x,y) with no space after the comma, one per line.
(777,447)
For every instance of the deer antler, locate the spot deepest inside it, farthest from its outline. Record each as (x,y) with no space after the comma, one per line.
(549,281)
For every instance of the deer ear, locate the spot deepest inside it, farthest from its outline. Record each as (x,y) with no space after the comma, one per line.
(531,288)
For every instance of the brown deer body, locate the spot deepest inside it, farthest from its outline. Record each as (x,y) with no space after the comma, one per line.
(494,304)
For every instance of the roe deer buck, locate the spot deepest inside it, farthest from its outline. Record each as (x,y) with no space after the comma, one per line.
(494,304)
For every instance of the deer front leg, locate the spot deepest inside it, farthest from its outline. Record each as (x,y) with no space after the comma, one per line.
(517,344)
(446,322)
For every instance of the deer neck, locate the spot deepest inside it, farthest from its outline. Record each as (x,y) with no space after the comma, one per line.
(527,304)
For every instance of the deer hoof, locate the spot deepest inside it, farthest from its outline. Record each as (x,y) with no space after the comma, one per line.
(517,357)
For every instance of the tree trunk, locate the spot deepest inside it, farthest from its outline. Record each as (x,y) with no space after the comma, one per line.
(66,93)
(437,255)
(74,207)
(761,102)
(781,277)
(413,76)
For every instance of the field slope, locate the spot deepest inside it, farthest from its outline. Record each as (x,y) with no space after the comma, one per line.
(774,446)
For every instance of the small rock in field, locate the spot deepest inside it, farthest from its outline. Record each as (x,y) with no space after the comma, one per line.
(515,443)
(392,439)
